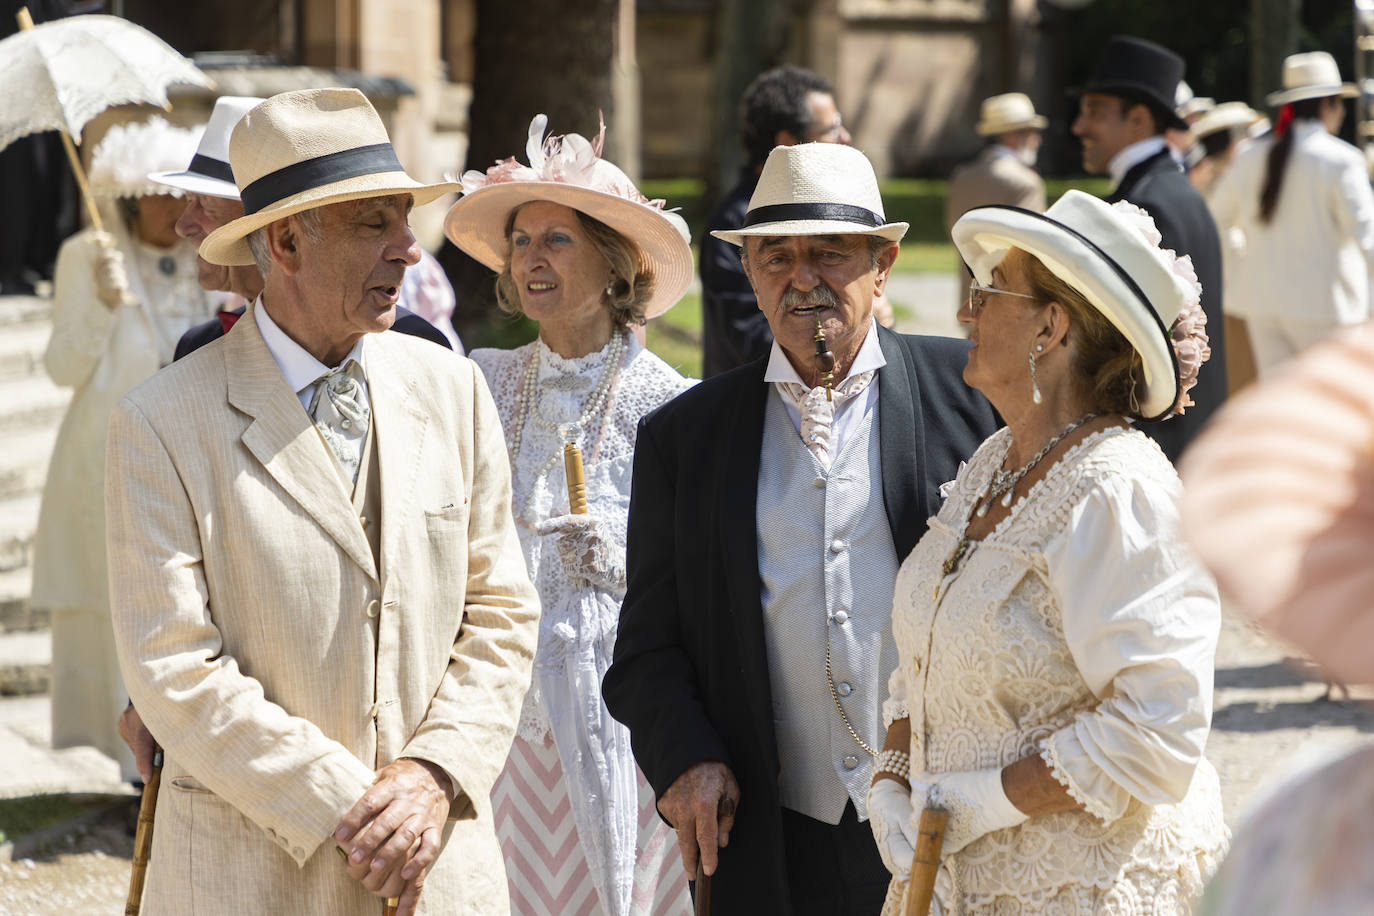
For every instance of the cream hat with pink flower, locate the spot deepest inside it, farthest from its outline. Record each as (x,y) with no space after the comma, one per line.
(569,170)
(1111,254)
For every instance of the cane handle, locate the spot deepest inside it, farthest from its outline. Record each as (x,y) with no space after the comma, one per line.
(143,837)
(577,483)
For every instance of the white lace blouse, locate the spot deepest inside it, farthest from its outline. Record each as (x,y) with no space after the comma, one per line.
(538,484)
(1081,629)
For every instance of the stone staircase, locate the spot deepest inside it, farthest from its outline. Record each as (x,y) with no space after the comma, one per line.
(31,408)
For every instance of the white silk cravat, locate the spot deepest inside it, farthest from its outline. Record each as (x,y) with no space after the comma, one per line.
(818,411)
(340,410)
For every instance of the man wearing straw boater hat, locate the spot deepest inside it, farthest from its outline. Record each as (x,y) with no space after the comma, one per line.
(1003,172)
(1123,112)
(319,599)
(770,508)
(212,200)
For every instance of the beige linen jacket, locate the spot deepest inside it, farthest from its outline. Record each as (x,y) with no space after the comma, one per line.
(267,655)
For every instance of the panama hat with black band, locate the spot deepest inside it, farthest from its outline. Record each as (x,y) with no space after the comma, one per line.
(307,149)
(815,189)
(208,172)
(1100,251)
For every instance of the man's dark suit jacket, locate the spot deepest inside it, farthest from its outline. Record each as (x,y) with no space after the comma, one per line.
(407,322)
(690,675)
(1159,186)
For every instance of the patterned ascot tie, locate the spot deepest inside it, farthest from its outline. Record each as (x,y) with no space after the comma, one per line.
(818,411)
(339,408)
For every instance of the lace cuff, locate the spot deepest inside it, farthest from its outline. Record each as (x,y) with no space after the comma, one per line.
(1086,784)
(894,708)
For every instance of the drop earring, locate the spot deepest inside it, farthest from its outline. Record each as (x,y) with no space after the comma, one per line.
(1035,384)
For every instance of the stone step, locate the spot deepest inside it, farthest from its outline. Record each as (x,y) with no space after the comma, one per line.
(24,461)
(16,311)
(31,403)
(18,520)
(25,663)
(15,613)
(22,348)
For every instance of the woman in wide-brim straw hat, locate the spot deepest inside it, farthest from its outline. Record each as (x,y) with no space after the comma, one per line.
(121,300)
(1055,638)
(1300,197)
(579,250)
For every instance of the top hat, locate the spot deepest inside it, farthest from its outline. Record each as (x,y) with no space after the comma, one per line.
(569,170)
(1313,75)
(1103,252)
(815,189)
(1143,71)
(1010,111)
(209,171)
(307,149)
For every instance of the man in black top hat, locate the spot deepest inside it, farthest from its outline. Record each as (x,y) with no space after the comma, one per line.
(1123,112)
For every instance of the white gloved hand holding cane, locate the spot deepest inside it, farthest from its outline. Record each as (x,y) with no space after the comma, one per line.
(893,821)
(977,805)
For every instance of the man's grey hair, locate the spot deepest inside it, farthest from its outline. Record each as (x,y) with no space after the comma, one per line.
(262,252)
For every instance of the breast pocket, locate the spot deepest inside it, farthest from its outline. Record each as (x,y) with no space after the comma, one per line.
(446,545)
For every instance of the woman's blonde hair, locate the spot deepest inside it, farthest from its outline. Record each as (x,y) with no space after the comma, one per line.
(1107,370)
(633,283)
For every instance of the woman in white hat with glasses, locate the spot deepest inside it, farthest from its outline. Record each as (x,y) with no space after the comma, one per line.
(1055,639)
(579,250)
(1302,200)
(121,299)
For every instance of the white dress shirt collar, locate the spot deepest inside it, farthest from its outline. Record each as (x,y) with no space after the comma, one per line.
(300,368)
(1132,156)
(870,356)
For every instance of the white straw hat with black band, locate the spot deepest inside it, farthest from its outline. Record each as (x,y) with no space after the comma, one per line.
(1010,111)
(1101,252)
(209,171)
(815,189)
(569,170)
(301,150)
(1311,75)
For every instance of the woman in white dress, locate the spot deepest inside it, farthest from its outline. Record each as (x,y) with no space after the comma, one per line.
(1055,638)
(121,300)
(582,252)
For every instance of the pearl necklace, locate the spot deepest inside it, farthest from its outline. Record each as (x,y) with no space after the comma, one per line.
(527,401)
(1003,483)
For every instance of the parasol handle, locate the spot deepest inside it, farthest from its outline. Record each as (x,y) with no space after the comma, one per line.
(925,864)
(577,483)
(26,23)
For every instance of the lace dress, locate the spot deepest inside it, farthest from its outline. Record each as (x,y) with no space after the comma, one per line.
(550,861)
(1080,630)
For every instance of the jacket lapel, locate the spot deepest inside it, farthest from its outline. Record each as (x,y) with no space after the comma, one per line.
(283,438)
(901,443)
(399,433)
(1135,173)
(740,545)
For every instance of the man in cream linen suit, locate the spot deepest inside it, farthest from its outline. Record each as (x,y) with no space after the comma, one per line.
(319,600)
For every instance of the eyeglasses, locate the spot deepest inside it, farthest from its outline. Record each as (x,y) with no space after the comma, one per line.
(978,295)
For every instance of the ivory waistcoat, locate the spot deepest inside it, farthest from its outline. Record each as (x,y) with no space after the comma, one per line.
(827,567)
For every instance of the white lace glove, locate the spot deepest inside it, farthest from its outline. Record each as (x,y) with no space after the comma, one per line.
(587,550)
(977,806)
(111,281)
(893,822)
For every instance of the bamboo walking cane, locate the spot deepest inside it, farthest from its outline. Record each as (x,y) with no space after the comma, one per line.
(143,836)
(925,864)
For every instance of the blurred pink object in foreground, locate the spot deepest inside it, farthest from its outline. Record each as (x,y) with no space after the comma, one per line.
(1279,502)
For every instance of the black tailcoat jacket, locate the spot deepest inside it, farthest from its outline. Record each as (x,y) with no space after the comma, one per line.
(690,675)
(1159,186)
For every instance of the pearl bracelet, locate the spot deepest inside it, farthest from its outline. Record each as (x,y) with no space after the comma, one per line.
(896,762)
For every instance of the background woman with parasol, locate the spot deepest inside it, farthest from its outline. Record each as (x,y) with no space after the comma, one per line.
(583,253)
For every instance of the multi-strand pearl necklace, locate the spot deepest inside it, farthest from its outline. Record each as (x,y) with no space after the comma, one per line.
(527,402)
(1003,483)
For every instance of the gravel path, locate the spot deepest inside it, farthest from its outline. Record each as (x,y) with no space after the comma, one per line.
(1267,711)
